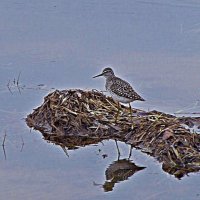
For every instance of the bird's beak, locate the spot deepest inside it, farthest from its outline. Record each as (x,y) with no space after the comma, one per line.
(98,75)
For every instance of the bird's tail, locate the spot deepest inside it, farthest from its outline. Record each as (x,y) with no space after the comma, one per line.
(139,98)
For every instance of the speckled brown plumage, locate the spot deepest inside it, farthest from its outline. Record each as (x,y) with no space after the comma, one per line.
(122,88)
(119,89)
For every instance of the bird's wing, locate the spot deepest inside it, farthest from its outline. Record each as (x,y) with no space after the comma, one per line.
(123,88)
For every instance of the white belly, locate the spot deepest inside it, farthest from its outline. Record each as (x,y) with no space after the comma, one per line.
(120,99)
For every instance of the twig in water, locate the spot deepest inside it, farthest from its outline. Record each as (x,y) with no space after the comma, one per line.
(17,82)
(96,184)
(18,78)
(65,151)
(4,139)
(22,144)
(8,86)
(3,145)
(4,152)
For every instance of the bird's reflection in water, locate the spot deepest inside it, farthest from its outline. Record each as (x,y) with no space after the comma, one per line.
(119,170)
(118,151)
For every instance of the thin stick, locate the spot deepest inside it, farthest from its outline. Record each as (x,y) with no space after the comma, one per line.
(4,152)
(18,87)
(8,86)
(18,78)
(96,184)
(22,144)
(65,151)
(3,145)
(4,139)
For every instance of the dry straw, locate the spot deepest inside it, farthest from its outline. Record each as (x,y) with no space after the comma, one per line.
(73,118)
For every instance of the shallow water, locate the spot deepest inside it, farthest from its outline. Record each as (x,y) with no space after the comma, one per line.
(62,44)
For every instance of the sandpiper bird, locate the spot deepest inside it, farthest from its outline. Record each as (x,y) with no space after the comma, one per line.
(120,90)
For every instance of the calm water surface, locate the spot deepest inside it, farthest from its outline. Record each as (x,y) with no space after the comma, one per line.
(155,45)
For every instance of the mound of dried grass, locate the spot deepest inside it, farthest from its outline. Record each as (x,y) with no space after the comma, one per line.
(73,118)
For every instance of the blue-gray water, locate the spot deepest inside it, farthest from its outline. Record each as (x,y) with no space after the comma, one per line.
(155,45)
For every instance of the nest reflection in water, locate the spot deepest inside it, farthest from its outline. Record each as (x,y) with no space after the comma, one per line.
(73,118)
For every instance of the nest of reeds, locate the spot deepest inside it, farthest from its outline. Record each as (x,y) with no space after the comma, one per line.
(73,118)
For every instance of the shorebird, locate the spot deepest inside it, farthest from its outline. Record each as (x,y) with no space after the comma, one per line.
(120,90)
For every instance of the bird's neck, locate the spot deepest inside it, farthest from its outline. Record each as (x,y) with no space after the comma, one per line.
(108,78)
(109,81)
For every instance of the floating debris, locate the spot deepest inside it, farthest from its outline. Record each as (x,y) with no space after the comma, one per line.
(74,118)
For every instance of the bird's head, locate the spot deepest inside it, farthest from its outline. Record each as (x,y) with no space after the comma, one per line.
(107,72)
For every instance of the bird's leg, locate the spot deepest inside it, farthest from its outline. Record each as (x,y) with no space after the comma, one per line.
(131,115)
(116,116)
(130,109)
(117,149)
(130,153)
